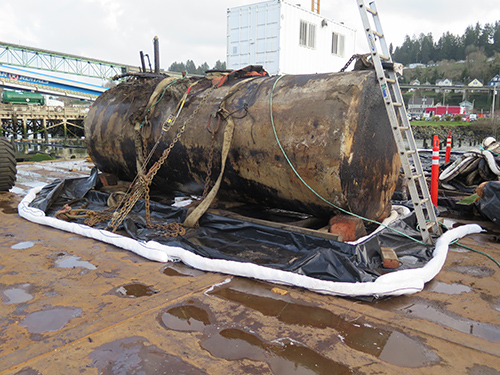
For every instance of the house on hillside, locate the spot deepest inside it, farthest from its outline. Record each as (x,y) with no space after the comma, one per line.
(475,83)
(495,81)
(285,38)
(417,106)
(469,107)
(444,82)
(460,89)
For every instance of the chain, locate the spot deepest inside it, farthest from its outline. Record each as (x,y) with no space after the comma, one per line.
(209,166)
(141,189)
(349,62)
(211,154)
(169,230)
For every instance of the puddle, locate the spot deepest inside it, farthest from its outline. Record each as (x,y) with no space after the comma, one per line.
(474,271)
(482,370)
(28,371)
(50,320)
(72,261)
(16,295)
(132,355)
(451,289)
(357,335)
(107,274)
(427,310)
(7,208)
(283,356)
(23,245)
(181,270)
(187,318)
(134,290)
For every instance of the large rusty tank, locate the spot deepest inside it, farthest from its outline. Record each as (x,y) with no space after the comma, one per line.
(333,128)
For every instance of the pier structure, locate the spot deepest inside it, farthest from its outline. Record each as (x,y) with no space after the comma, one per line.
(28,121)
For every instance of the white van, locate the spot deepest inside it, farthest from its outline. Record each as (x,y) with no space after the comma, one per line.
(51,101)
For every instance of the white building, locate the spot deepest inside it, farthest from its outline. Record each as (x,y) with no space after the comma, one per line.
(285,38)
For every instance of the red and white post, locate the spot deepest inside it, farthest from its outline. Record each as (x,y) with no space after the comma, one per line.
(448,147)
(435,170)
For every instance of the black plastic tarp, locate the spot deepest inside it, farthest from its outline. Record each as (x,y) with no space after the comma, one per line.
(220,237)
(489,203)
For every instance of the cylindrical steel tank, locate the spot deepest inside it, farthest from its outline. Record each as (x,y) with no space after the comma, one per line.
(332,127)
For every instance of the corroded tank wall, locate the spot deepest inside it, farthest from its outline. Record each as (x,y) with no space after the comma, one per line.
(333,128)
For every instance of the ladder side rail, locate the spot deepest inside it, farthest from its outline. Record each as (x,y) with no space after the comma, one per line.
(415,157)
(412,178)
(378,28)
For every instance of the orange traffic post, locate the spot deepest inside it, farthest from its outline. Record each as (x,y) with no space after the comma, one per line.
(435,170)
(448,147)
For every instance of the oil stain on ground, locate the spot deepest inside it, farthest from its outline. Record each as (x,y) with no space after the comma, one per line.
(132,355)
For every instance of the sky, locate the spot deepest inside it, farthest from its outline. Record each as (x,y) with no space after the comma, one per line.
(116,30)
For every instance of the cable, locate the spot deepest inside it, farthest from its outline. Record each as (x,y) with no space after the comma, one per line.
(312,190)
(474,250)
(479,252)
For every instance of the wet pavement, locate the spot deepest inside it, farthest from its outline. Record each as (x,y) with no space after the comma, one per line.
(72,305)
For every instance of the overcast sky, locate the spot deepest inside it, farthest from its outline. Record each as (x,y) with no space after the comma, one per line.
(116,30)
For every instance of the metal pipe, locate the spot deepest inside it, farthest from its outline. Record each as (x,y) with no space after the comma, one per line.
(156,45)
(143,63)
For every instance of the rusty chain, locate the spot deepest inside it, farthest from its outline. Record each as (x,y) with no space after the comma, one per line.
(141,188)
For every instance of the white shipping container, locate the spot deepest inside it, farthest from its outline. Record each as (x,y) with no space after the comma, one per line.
(286,39)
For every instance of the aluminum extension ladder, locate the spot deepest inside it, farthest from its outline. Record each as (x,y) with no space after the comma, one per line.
(400,124)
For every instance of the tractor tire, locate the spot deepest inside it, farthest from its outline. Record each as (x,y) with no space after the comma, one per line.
(7,165)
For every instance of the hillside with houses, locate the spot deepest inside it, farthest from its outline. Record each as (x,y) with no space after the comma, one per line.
(456,71)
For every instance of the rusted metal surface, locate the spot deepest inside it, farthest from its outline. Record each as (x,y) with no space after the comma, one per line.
(333,128)
(73,305)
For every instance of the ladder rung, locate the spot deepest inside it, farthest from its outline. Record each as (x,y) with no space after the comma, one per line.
(386,58)
(390,80)
(397,104)
(403,128)
(424,200)
(417,176)
(369,10)
(378,34)
(411,152)
(430,224)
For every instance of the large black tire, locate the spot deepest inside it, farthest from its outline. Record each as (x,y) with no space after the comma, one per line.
(7,165)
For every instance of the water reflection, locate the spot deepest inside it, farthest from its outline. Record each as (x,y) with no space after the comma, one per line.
(53,148)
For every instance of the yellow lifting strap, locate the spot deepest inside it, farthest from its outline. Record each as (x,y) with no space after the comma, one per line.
(137,138)
(193,216)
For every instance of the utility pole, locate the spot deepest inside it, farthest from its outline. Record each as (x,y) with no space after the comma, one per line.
(315,6)
(493,111)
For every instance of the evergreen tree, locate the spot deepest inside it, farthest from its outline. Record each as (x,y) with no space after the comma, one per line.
(177,67)
(219,65)
(191,67)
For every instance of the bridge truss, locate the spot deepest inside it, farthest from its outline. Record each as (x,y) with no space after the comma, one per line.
(29,57)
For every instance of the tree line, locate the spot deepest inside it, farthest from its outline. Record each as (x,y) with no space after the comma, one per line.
(423,49)
(191,68)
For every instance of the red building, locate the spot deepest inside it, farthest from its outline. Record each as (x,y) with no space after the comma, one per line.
(445,110)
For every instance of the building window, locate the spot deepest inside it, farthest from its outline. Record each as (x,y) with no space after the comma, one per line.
(337,44)
(307,37)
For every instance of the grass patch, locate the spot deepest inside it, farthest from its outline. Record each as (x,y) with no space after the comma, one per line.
(441,123)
